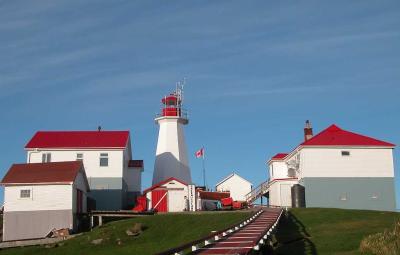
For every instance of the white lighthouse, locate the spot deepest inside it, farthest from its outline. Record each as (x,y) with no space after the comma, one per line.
(171,155)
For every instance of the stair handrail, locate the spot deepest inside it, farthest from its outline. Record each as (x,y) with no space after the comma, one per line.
(258,191)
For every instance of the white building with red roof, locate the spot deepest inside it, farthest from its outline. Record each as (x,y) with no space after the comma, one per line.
(171,153)
(171,195)
(336,168)
(41,197)
(114,178)
(236,185)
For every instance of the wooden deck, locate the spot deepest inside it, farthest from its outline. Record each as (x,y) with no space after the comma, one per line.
(115,214)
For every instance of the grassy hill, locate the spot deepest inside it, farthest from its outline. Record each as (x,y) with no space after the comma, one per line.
(161,232)
(329,231)
(302,231)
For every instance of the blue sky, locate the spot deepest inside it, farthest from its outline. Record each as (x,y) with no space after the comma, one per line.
(255,72)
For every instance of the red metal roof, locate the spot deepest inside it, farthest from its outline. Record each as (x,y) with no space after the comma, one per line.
(162,183)
(210,195)
(79,139)
(335,136)
(135,163)
(280,156)
(53,172)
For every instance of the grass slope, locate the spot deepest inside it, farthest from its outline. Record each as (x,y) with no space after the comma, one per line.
(329,231)
(162,232)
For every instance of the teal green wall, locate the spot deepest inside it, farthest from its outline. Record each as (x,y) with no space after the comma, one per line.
(326,192)
(111,195)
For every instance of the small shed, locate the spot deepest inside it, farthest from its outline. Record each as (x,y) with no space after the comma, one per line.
(41,197)
(236,185)
(207,200)
(170,195)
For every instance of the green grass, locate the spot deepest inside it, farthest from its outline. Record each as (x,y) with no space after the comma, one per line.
(302,231)
(329,231)
(162,232)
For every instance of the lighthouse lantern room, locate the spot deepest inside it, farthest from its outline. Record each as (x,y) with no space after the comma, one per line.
(171,154)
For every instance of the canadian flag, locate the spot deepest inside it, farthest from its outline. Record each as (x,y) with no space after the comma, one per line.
(200,153)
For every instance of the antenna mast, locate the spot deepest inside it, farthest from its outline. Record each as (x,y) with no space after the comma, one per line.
(179,89)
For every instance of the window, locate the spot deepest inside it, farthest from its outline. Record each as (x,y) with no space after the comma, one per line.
(291,172)
(25,193)
(46,157)
(103,159)
(345,153)
(79,156)
(343,197)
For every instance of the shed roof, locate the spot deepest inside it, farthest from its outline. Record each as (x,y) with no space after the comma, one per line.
(230,176)
(43,173)
(164,182)
(211,195)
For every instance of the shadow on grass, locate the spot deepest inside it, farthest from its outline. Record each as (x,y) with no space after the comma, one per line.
(290,238)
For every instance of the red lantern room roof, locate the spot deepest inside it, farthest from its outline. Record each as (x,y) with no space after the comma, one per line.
(171,99)
(172,106)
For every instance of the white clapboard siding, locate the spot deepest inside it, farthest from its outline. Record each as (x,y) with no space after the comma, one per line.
(43,197)
(362,162)
(236,185)
(278,170)
(176,196)
(177,192)
(280,194)
(91,160)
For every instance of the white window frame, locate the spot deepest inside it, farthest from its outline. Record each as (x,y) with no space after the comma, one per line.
(25,198)
(344,197)
(104,156)
(272,171)
(375,196)
(46,157)
(345,153)
(79,156)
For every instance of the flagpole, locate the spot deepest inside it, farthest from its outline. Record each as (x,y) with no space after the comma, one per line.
(204,169)
(204,174)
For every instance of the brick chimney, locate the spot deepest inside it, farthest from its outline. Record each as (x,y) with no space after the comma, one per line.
(308,133)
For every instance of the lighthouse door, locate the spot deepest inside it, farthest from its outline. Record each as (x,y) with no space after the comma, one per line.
(159,200)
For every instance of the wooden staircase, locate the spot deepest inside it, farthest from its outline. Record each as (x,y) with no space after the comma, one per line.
(257,192)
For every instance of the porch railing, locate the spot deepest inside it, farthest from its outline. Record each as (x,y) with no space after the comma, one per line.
(257,192)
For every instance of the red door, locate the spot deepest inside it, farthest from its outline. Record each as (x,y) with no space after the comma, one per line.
(159,200)
(79,200)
